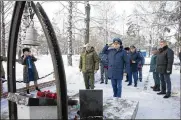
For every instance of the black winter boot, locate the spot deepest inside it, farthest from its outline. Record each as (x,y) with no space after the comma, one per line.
(157,88)
(161,93)
(126,80)
(101,82)
(38,89)
(153,86)
(135,85)
(167,95)
(129,84)
(28,91)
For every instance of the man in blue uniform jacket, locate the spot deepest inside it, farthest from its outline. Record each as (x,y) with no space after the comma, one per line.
(117,59)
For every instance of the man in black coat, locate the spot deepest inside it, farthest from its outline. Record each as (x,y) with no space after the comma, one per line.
(135,59)
(165,60)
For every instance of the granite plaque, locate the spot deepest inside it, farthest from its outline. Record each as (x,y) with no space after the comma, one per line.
(91,104)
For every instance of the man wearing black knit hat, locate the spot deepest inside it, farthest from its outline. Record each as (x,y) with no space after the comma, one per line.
(135,59)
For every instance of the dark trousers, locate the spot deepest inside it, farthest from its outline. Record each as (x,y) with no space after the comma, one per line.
(140,74)
(129,77)
(117,87)
(165,82)
(156,78)
(135,77)
(104,73)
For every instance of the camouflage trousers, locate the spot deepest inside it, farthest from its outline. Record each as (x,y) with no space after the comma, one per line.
(89,80)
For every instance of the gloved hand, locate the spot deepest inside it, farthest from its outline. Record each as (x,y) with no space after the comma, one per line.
(168,72)
(133,61)
(109,44)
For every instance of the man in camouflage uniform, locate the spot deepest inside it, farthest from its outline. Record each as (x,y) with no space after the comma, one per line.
(89,64)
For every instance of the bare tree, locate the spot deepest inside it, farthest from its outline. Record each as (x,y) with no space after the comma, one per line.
(69,55)
(106,18)
(6,11)
(3,30)
(0,26)
(87,21)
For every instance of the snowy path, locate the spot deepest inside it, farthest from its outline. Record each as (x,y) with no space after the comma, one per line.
(154,106)
(150,104)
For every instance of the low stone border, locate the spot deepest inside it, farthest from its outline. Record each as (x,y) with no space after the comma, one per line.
(32,88)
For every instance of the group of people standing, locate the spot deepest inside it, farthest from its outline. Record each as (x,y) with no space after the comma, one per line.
(161,66)
(114,62)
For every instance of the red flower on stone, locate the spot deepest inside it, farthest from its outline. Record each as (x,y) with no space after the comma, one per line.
(47,94)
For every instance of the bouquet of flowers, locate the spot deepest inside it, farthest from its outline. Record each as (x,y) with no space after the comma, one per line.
(46,94)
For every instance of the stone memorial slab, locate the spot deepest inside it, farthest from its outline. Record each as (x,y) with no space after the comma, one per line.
(91,104)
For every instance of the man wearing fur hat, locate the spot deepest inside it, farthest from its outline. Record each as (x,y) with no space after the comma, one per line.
(89,64)
(117,60)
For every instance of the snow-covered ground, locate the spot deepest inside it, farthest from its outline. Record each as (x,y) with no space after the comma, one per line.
(150,104)
(44,66)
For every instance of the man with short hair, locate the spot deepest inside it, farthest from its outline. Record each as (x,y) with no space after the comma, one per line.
(165,60)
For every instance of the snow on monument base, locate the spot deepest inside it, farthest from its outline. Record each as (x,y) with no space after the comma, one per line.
(37,112)
(115,108)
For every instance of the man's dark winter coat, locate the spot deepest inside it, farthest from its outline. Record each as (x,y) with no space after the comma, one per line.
(179,55)
(137,58)
(165,60)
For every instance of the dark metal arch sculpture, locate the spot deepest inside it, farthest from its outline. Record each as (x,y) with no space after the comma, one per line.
(62,111)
